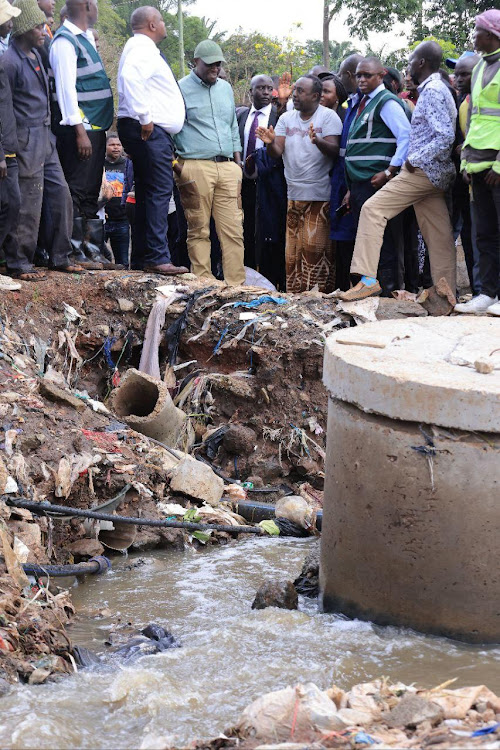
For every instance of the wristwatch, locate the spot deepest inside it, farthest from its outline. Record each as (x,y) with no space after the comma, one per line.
(388,173)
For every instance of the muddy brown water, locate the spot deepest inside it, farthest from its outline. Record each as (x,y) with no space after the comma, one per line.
(229,656)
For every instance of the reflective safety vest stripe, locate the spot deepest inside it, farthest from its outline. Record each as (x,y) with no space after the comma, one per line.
(481,147)
(370,145)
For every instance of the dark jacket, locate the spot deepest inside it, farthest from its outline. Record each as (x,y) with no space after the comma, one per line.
(30,87)
(342,228)
(242,116)
(8,131)
(271,188)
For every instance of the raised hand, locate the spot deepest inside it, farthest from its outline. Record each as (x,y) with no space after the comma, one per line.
(266,135)
(312,134)
(285,87)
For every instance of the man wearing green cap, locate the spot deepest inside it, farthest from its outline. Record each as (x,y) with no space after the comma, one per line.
(208,169)
(40,173)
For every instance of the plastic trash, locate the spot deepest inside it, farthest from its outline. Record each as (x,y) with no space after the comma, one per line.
(254,278)
(264,298)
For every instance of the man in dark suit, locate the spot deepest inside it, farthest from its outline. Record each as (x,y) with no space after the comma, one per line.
(263,189)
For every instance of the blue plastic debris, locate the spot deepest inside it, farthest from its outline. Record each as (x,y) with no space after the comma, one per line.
(261,300)
(486,730)
(361,738)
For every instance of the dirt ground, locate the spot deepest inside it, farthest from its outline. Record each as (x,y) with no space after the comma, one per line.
(257,369)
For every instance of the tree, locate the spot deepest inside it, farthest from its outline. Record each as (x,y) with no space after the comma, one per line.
(330,9)
(452,20)
(252,53)
(338,51)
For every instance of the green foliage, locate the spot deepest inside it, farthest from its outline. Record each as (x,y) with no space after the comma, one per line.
(253,53)
(338,52)
(449,49)
(452,20)
(449,20)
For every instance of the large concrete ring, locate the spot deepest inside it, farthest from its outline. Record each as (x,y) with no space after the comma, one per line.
(411,522)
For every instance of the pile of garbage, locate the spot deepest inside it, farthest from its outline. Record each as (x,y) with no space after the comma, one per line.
(113,384)
(380,714)
(33,641)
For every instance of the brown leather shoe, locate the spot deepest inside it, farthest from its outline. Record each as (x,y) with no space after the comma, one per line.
(167,269)
(361,291)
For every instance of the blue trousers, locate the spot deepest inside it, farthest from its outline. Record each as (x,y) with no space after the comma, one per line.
(153,177)
(117,232)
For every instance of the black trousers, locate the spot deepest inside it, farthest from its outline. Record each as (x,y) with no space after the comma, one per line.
(84,178)
(487,211)
(410,253)
(344,250)
(40,178)
(388,264)
(10,203)
(154,181)
(248,202)
(462,224)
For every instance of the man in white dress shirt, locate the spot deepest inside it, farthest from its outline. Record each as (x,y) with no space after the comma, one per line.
(82,112)
(150,110)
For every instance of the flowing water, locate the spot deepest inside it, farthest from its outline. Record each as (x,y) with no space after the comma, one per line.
(229,656)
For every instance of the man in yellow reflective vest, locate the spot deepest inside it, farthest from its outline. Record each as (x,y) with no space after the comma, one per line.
(481,161)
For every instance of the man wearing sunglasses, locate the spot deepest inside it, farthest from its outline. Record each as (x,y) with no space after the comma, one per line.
(426,175)
(377,147)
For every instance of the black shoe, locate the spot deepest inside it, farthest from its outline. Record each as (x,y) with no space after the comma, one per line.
(388,280)
(41,258)
(95,246)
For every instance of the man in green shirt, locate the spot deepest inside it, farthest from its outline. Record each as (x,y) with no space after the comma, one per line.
(208,168)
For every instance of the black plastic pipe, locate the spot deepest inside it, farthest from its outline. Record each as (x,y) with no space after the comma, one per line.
(99,564)
(256,512)
(41,508)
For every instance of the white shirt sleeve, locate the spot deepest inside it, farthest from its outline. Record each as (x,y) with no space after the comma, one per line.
(63,63)
(280,127)
(332,124)
(396,120)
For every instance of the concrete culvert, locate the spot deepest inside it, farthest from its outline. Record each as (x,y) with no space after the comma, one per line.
(144,403)
(136,397)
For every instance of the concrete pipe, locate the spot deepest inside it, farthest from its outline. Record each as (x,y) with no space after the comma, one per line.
(411,517)
(144,403)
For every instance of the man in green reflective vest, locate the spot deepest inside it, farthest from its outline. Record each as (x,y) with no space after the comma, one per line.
(377,147)
(481,161)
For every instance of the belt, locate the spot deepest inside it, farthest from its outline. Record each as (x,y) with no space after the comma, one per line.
(220,158)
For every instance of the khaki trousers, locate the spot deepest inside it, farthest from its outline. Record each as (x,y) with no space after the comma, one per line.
(209,188)
(407,189)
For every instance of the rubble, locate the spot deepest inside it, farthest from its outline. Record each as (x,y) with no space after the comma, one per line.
(280,594)
(438,299)
(50,390)
(197,480)
(79,421)
(379,714)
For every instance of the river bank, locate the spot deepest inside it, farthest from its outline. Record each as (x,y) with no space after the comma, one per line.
(233,358)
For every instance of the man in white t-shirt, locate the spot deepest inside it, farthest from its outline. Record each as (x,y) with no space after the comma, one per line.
(308,139)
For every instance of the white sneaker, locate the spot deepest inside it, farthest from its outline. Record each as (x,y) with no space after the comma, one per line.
(477,306)
(494,309)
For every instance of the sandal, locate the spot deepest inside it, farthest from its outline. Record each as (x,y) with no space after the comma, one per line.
(76,268)
(32,275)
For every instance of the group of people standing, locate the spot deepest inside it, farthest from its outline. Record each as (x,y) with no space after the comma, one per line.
(321,184)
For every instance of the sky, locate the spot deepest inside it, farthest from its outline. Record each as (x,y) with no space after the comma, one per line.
(280,19)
